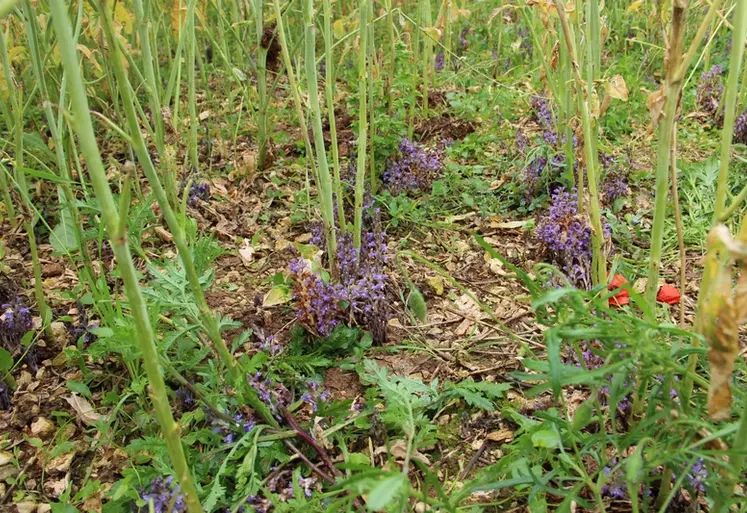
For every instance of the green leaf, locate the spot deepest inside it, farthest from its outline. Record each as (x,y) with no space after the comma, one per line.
(416,303)
(63,238)
(78,388)
(384,492)
(6,360)
(582,416)
(62,508)
(277,296)
(546,438)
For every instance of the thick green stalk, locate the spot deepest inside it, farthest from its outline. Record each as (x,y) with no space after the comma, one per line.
(373,70)
(177,231)
(151,83)
(139,312)
(191,98)
(727,133)
(595,36)
(599,265)
(262,133)
(392,54)
(425,9)
(294,87)
(324,184)
(360,172)
(672,89)
(730,107)
(329,90)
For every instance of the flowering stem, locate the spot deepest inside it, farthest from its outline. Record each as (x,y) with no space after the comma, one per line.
(599,266)
(118,239)
(262,134)
(360,173)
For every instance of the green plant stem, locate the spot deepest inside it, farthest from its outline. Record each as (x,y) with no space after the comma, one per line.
(20,176)
(599,265)
(672,89)
(262,133)
(145,338)
(325,183)
(295,91)
(727,133)
(736,463)
(329,91)
(425,9)
(141,149)
(360,174)
(678,224)
(54,128)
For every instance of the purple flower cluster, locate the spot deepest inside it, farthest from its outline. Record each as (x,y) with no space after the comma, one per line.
(317,301)
(544,116)
(186,398)
(163,495)
(568,236)
(414,169)
(273,395)
(281,484)
(242,422)
(198,192)
(438,63)
(533,174)
(522,141)
(81,328)
(316,394)
(614,487)
(362,281)
(697,476)
(740,129)
(15,322)
(709,92)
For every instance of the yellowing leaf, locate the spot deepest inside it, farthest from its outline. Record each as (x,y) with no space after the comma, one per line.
(635,6)
(436,283)
(432,32)
(617,88)
(338,29)
(277,295)
(89,55)
(124,17)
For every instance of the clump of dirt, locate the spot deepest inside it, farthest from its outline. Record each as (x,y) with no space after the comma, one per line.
(445,126)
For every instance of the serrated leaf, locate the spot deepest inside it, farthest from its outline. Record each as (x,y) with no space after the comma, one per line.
(277,295)
(416,303)
(475,399)
(384,492)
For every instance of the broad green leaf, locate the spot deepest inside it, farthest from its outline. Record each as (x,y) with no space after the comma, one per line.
(416,303)
(78,388)
(6,360)
(546,438)
(277,295)
(63,238)
(384,492)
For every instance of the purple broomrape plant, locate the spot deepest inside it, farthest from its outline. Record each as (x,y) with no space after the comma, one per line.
(163,495)
(414,169)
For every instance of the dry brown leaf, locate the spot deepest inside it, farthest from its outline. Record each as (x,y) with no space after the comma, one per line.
(617,89)
(398,449)
(502,435)
(83,408)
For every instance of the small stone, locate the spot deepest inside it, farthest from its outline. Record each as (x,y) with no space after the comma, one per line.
(26,507)
(42,427)
(60,463)
(56,488)
(60,333)
(43,508)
